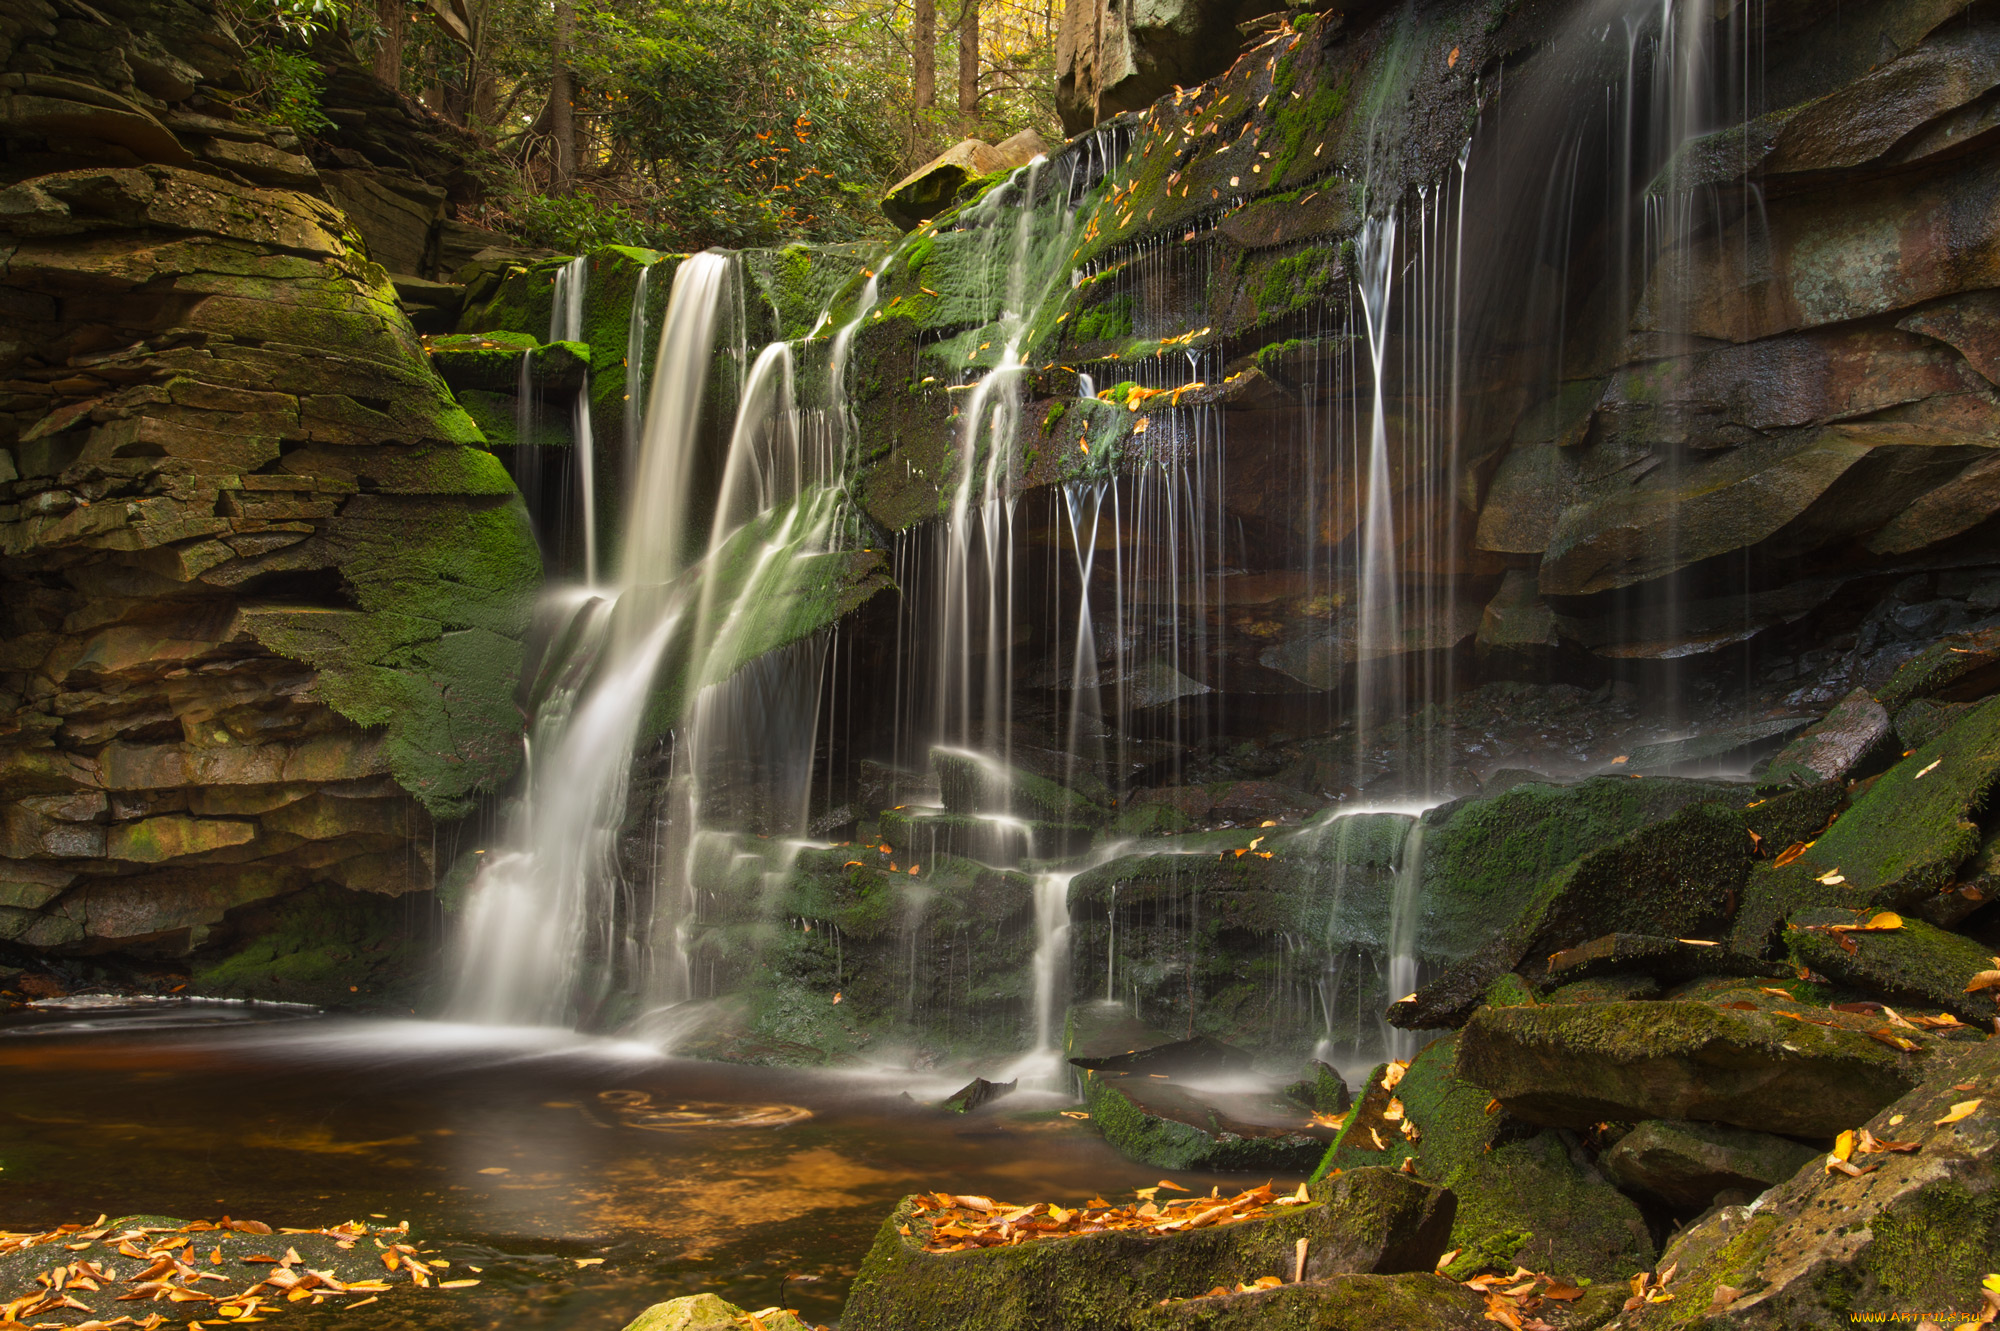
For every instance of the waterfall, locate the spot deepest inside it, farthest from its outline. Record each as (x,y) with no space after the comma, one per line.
(545,908)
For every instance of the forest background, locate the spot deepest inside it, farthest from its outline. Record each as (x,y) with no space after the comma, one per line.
(679,124)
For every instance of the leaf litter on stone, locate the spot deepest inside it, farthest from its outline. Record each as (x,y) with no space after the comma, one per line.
(961,1222)
(167,1265)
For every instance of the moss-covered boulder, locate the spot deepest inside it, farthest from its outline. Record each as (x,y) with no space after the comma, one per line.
(706,1312)
(1678,877)
(1909,1232)
(1686,1164)
(1899,844)
(971,783)
(1911,963)
(1575,1065)
(1367,1221)
(1523,1197)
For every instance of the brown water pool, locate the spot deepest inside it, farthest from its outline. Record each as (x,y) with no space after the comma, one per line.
(521,1152)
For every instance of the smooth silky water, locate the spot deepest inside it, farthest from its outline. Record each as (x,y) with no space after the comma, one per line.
(518,1150)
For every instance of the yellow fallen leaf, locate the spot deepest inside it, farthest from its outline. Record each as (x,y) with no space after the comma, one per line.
(1887,919)
(1983,980)
(1843,1145)
(1964,1109)
(457,1284)
(1832,878)
(1928,770)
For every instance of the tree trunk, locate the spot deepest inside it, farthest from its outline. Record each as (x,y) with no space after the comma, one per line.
(968,64)
(389,51)
(562,125)
(923,48)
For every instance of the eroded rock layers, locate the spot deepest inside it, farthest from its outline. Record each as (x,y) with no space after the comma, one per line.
(264,589)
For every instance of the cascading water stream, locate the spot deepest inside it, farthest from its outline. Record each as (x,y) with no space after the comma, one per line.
(522,951)
(1405,919)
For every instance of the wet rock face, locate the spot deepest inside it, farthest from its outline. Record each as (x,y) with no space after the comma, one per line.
(264,588)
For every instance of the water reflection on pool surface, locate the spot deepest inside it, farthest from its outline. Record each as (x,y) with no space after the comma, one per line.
(522,1151)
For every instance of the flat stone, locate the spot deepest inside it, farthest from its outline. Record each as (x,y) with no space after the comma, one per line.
(1339,1303)
(175,836)
(1717,751)
(1685,1164)
(1833,747)
(1150,1118)
(1200,1057)
(1367,1220)
(1577,1065)
(1664,958)
(1915,963)
(1915,1232)
(1098,1030)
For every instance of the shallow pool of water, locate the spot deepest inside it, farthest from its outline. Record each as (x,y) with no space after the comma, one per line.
(517,1151)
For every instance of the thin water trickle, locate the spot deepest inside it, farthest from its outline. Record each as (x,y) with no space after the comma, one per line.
(566,325)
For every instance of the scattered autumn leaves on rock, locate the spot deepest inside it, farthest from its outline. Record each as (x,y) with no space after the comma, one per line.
(216,1274)
(1514,1300)
(959,1222)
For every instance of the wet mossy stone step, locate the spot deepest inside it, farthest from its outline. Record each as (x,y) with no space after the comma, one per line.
(1371,1220)
(492,361)
(1484,859)
(1649,954)
(1916,1231)
(1915,963)
(1685,1164)
(1101,1029)
(1900,843)
(1521,1195)
(973,783)
(1676,878)
(1149,1118)
(1576,1065)
(987,838)
(1202,1056)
